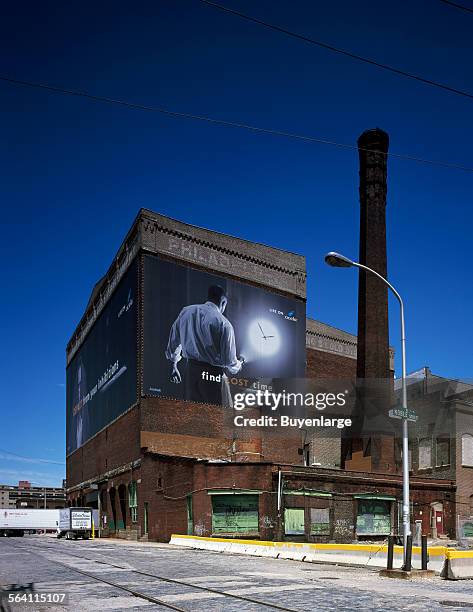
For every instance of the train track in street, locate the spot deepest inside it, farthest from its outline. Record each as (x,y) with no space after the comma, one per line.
(39,549)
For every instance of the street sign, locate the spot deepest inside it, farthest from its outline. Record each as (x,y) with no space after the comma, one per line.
(400,413)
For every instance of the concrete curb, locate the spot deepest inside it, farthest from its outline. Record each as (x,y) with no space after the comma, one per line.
(458,565)
(366,555)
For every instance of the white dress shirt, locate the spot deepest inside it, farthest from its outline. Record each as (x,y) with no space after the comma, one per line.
(203,333)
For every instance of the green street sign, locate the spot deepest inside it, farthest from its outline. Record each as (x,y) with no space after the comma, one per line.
(400,413)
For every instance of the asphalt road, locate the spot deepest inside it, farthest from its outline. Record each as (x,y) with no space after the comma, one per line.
(116,575)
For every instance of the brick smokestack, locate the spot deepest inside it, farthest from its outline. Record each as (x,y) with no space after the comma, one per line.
(369,449)
(373,330)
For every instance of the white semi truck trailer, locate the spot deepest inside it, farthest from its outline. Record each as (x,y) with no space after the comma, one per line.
(15,521)
(75,523)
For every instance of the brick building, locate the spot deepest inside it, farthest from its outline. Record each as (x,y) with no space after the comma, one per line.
(441,442)
(160,464)
(167,465)
(24,495)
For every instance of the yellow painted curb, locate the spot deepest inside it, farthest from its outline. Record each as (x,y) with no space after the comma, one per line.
(452,553)
(434,551)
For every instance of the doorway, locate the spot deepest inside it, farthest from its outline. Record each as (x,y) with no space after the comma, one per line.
(122,501)
(438,520)
(113,506)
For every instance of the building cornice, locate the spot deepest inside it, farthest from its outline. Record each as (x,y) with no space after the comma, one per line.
(105,476)
(322,337)
(258,263)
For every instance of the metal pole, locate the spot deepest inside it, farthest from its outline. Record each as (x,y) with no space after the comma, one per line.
(100,514)
(279,503)
(406,526)
(424,552)
(45,497)
(390,552)
(405,440)
(408,562)
(279,492)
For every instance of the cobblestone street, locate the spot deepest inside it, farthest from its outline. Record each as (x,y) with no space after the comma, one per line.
(115,575)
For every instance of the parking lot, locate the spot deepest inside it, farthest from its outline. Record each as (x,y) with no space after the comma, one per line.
(118,575)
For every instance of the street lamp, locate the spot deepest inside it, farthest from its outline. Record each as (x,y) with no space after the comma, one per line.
(340,261)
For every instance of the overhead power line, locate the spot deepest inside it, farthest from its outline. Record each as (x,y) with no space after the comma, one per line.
(458,6)
(222,122)
(340,51)
(29,459)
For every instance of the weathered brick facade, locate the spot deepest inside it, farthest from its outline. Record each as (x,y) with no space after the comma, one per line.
(178,452)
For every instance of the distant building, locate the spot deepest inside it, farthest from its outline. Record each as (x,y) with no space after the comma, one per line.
(441,446)
(5,500)
(26,496)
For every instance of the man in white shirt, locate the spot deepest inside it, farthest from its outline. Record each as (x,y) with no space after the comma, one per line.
(205,337)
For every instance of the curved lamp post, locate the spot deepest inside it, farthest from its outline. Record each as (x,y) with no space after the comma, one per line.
(340,261)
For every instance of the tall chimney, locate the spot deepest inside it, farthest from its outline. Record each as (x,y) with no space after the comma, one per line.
(369,448)
(373,330)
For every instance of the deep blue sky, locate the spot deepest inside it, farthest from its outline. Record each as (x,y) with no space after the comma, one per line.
(75,172)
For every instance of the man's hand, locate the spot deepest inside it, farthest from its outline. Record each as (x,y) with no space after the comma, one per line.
(241,358)
(175,375)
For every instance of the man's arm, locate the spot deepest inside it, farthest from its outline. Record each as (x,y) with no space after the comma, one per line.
(228,350)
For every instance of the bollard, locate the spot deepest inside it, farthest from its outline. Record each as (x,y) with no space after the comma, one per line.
(408,562)
(425,558)
(390,552)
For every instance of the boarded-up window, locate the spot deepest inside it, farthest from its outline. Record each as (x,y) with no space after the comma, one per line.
(235,513)
(465,527)
(442,452)
(320,521)
(294,523)
(425,453)
(467,449)
(374,517)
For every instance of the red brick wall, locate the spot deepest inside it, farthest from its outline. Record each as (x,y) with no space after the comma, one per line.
(181,417)
(200,430)
(349,483)
(166,483)
(251,476)
(328,365)
(111,448)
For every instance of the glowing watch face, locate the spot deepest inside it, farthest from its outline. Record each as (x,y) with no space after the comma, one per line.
(264,337)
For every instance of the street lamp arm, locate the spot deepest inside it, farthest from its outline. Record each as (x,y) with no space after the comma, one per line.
(403,326)
(396,293)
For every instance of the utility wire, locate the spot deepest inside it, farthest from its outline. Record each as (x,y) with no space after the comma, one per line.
(324,45)
(222,122)
(458,6)
(30,459)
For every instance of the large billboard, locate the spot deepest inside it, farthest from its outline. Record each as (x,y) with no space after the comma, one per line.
(101,379)
(205,336)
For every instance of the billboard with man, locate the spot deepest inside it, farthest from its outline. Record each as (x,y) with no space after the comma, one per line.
(206,335)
